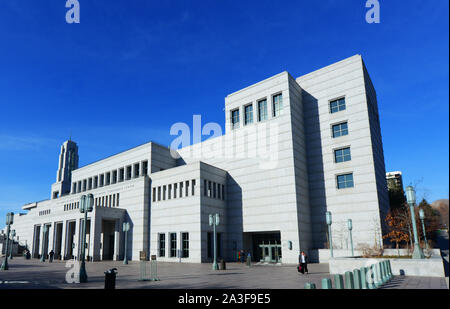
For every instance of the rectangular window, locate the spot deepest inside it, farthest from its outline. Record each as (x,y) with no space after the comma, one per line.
(187,188)
(235,119)
(337,105)
(121,174)
(342,155)
(205,187)
(117,199)
(173,245)
(214,190)
(159,193)
(209,189)
(84,185)
(340,129)
(89,183)
(144,168)
(181,189)
(262,110)
(175,187)
(277,105)
(345,181)
(223,192)
(114,176)
(193,187)
(164,193)
(74,188)
(154,194)
(162,244)
(136,170)
(248,114)
(185,244)
(128,173)
(170,192)
(108,178)
(219,190)
(102,180)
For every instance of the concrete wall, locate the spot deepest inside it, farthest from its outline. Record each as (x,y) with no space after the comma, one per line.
(433,267)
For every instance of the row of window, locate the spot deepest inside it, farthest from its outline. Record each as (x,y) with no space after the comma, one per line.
(172,191)
(111,200)
(44,212)
(213,190)
(112,177)
(342,154)
(261,109)
(184,250)
(71,206)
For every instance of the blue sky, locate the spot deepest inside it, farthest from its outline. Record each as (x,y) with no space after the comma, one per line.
(132,68)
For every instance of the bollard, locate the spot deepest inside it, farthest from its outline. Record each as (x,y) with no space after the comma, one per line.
(363,278)
(371,277)
(382,276)
(390,269)
(338,282)
(310,286)
(326,284)
(378,281)
(349,284)
(385,274)
(357,279)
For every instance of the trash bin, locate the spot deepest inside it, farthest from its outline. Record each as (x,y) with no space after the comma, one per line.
(110,279)
(222,265)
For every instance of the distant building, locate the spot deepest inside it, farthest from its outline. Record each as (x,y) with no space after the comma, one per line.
(394,180)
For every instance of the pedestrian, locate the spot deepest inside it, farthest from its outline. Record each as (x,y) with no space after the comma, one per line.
(303,262)
(51,254)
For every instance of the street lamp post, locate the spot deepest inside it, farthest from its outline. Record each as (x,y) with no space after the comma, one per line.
(350,227)
(422,218)
(13,234)
(9,221)
(43,243)
(86,205)
(126,228)
(214,221)
(411,200)
(329,221)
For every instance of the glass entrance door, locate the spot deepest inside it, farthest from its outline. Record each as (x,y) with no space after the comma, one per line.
(271,253)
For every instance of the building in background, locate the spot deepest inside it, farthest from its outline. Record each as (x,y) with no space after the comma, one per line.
(293,149)
(394,180)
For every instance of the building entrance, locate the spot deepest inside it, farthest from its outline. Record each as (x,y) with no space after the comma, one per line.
(266,246)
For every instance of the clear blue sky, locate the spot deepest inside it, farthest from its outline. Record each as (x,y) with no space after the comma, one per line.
(131,69)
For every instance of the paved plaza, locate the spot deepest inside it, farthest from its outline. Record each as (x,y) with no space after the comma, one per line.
(33,274)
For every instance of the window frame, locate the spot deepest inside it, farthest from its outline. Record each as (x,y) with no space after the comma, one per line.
(346,187)
(335,100)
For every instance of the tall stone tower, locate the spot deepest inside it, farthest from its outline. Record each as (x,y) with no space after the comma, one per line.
(68,161)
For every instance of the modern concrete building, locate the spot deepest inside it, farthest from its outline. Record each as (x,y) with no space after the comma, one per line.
(292,150)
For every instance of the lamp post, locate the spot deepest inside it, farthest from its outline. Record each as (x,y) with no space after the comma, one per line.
(126,228)
(9,221)
(422,218)
(329,221)
(350,227)
(214,221)
(86,205)
(411,200)
(43,243)
(13,234)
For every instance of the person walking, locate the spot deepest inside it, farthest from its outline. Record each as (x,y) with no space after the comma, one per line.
(303,262)
(50,256)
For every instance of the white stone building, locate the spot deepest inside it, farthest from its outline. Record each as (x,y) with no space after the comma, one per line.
(293,149)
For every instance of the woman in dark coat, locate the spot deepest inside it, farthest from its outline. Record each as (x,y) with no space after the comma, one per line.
(303,262)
